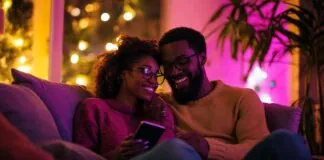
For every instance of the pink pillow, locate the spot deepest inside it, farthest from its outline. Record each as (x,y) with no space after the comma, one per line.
(60,99)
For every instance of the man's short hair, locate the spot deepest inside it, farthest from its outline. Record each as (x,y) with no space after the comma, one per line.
(194,38)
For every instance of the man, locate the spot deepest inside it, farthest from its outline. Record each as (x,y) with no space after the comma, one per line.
(218,120)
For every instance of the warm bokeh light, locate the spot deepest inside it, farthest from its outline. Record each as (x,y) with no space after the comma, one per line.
(75,12)
(22,59)
(24,68)
(111,47)
(90,8)
(118,38)
(7,4)
(83,45)
(84,23)
(128,16)
(18,42)
(74,58)
(105,17)
(81,80)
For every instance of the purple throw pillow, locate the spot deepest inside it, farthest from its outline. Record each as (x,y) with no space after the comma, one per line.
(28,113)
(60,99)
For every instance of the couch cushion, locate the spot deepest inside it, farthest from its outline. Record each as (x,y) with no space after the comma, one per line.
(60,99)
(282,117)
(16,146)
(69,151)
(26,111)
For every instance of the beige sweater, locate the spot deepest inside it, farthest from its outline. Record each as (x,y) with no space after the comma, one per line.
(231,119)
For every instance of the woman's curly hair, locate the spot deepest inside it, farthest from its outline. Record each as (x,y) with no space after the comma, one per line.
(111,65)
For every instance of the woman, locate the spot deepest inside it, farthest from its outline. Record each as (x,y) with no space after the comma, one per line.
(125,86)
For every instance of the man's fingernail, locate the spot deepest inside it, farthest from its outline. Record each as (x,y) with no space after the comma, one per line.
(146,147)
(139,141)
(146,142)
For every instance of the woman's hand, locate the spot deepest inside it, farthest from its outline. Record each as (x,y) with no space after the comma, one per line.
(155,109)
(132,147)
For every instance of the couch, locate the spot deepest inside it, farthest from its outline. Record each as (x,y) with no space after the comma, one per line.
(44,110)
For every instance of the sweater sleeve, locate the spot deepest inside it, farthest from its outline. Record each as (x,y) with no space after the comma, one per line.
(85,126)
(250,129)
(168,122)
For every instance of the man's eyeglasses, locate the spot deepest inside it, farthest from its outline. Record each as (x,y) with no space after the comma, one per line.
(148,74)
(181,63)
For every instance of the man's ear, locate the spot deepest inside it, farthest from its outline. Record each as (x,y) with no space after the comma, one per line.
(202,58)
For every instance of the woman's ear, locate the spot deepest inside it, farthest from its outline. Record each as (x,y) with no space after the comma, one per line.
(202,58)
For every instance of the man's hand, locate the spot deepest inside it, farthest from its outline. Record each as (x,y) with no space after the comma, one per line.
(198,142)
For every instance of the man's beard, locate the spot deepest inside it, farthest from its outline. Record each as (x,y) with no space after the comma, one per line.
(182,96)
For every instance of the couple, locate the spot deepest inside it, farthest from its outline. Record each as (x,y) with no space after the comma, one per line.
(203,119)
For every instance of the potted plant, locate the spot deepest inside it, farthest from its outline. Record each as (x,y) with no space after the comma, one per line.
(244,33)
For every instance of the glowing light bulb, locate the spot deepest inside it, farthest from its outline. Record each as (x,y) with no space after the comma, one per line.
(7,4)
(90,8)
(24,68)
(83,45)
(81,80)
(105,17)
(74,58)
(75,12)
(22,59)
(18,42)
(128,16)
(111,47)
(84,23)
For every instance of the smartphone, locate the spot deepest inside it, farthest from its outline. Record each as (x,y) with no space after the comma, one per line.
(149,131)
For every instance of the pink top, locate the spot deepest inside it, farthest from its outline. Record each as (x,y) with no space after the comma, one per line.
(101,125)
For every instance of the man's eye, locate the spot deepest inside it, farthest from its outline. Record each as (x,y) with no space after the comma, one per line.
(183,61)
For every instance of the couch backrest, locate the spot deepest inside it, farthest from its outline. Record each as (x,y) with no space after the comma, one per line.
(282,117)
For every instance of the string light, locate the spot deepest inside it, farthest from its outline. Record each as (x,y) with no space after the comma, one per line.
(81,80)
(83,45)
(90,8)
(128,15)
(7,4)
(22,59)
(24,68)
(18,42)
(105,17)
(75,12)
(74,58)
(84,23)
(111,47)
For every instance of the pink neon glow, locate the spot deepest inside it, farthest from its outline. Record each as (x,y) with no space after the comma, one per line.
(194,14)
